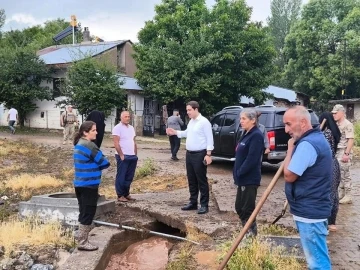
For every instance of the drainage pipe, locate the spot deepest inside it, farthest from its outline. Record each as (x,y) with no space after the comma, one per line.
(143,230)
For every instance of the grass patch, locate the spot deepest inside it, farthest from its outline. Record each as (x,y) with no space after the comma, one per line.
(27,184)
(148,168)
(6,171)
(20,148)
(276,230)
(159,183)
(31,232)
(68,173)
(192,233)
(183,260)
(259,255)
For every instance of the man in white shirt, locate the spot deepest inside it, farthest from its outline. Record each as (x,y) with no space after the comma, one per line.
(12,118)
(199,144)
(126,156)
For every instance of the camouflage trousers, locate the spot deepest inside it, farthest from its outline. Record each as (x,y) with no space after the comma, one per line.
(345,183)
(69,131)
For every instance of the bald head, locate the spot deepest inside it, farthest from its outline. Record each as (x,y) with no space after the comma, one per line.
(297,121)
(125,117)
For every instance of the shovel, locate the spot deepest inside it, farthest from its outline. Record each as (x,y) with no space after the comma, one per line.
(143,231)
(283,211)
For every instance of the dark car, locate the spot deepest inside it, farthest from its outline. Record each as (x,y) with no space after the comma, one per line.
(226,130)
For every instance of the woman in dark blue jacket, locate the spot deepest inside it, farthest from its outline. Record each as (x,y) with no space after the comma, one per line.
(247,168)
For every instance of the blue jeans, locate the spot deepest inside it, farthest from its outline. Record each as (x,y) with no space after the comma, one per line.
(11,125)
(313,241)
(125,174)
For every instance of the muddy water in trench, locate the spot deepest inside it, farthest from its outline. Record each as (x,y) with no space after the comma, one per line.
(149,254)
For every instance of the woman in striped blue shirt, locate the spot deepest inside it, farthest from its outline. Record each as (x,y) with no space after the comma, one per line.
(89,161)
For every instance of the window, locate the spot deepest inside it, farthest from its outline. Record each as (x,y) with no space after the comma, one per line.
(230,119)
(216,122)
(262,119)
(58,83)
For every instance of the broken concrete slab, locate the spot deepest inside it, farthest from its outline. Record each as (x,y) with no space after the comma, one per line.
(165,207)
(62,207)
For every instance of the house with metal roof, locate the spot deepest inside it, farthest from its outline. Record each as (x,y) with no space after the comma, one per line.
(279,97)
(60,57)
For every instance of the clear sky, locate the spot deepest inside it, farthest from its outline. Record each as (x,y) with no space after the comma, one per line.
(108,19)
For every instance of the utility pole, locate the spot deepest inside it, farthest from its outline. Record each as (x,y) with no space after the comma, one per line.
(73,23)
(344,72)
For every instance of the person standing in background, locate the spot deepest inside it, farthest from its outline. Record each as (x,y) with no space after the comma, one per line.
(126,156)
(12,118)
(332,134)
(199,145)
(263,130)
(175,123)
(68,120)
(344,152)
(99,119)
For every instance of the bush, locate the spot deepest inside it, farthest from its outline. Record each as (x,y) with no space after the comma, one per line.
(357,134)
(148,168)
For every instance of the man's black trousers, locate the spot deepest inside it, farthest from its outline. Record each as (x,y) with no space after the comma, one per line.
(197,179)
(174,145)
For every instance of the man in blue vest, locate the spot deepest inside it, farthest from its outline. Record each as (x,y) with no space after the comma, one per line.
(308,178)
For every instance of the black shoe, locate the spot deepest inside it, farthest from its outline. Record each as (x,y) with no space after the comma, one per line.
(174,158)
(189,206)
(203,210)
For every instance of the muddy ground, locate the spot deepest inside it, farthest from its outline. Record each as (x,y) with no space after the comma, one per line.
(161,195)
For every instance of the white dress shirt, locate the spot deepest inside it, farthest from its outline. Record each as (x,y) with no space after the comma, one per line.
(199,134)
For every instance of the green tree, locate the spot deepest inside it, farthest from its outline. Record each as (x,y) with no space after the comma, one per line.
(211,55)
(37,37)
(284,13)
(93,84)
(2,18)
(21,73)
(323,50)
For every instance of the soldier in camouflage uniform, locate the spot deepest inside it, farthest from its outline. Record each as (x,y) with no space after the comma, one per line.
(68,121)
(344,152)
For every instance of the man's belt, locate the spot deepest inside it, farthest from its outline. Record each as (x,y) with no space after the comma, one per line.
(195,152)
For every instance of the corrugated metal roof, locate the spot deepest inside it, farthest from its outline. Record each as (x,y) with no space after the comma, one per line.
(70,53)
(130,83)
(282,93)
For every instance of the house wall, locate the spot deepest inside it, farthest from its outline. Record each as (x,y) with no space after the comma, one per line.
(111,57)
(357,112)
(47,115)
(130,65)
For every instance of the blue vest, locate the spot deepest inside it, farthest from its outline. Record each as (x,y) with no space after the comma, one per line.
(309,195)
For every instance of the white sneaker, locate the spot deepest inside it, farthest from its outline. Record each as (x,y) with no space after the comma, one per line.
(64,142)
(346,200)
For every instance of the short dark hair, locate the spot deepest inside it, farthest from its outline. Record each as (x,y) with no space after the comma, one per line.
(193,104)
